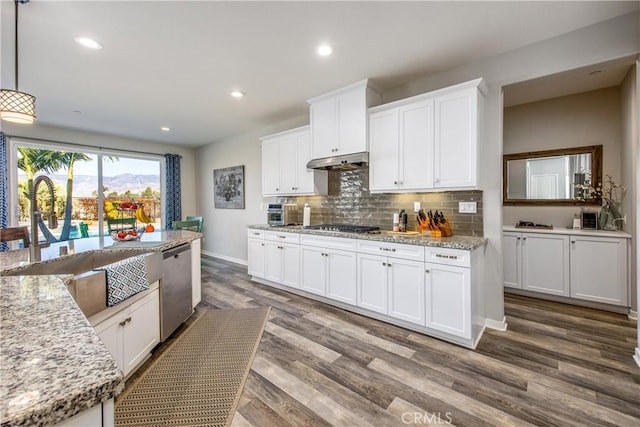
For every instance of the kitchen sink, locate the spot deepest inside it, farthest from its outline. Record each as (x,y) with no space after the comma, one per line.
(89,287)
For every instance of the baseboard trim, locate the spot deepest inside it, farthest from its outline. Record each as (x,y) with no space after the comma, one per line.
(496,324)
(633,314)
(225,257)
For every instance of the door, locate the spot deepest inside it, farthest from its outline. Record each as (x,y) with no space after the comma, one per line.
(323,127)
(110,333)
(383,151)
(313,269)
(455,140)
(288,164)
(341,276)
(406,290)
(545,263)
(351,113)
(372,282)
(448,299)
(416,146)
(599,269)
(270,166)
(511,260)
(255,258)
(290,265)
(142,332)
(273,261)
(305,176)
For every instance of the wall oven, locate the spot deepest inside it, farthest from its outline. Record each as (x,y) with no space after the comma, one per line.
(282,214)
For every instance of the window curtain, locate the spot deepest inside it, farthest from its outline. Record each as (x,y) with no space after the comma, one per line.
(172,190)
(4,204)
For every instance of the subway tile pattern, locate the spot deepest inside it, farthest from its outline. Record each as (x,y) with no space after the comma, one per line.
(349,201)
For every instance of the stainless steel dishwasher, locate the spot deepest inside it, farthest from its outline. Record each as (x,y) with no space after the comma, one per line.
(175,289)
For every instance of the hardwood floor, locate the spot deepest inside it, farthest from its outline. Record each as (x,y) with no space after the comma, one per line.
(557,365)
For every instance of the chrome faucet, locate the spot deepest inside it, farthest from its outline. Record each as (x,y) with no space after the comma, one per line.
(35,247)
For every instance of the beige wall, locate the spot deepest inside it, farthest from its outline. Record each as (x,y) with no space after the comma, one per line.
(71,136)
(590,118)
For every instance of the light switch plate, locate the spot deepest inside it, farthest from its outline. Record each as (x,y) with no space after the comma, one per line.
(416,206)
(467,207)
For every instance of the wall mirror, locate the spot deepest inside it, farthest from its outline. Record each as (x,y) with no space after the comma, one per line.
(551,177)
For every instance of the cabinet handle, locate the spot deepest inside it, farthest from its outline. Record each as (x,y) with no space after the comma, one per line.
(384,263)
(524,238)
(426,271)
(401,182)
(277,189)
(436,180)
(395,182)
(282,237)
(573,241)
(517,238)
(125,321)
(261,244)
(256,234)
(389,264)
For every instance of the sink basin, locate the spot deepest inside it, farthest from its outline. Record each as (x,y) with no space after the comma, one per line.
(89,288)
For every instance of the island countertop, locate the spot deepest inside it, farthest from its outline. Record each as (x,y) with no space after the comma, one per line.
(52,363)
(453,242)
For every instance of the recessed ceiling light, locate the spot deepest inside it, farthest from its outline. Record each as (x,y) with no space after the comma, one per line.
(237,94)
(88,42)
(324,50)
(165,129)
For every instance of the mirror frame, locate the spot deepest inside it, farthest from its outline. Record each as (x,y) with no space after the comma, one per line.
(596,168)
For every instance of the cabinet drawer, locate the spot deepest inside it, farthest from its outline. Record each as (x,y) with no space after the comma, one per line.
(446,256)
(328,242)
(395,250)
(255,234)
(279,236)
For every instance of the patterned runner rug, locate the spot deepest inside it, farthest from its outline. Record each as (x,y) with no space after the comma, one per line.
(199,379)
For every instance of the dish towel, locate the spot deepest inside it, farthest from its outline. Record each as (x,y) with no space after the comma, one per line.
(125,278)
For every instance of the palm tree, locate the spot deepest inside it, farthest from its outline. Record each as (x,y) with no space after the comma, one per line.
(68,159)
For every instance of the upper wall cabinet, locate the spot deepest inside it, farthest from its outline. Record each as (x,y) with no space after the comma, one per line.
(339,120)
(427,142)
(284,165)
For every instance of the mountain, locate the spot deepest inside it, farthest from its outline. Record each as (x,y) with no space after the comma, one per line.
(85,185)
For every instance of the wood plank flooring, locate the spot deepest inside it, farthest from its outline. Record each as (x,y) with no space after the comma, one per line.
(557,365)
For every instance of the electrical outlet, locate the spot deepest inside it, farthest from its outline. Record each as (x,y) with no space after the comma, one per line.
(467,207)
(416,206)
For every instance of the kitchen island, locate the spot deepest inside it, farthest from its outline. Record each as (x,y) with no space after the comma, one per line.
(434,286)
(53,365)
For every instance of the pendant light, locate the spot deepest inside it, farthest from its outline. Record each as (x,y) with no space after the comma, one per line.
(16,106)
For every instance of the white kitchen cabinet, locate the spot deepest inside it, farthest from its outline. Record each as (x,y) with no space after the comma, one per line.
(100,415)
(284,165)
(131,333)
(256,253)
(512,259)
(339,120)
(456,139)
(282,258)
(196,273)
(599,269)
(401,148)
(448,299)
(329,272)
(392,286)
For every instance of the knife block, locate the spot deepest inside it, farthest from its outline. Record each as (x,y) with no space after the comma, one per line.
(445,229)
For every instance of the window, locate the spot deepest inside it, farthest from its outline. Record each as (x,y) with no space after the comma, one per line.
(90,187)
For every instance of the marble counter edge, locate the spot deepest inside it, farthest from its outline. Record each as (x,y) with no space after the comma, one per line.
(454,242)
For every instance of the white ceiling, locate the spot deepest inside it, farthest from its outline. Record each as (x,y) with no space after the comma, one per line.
(173,63)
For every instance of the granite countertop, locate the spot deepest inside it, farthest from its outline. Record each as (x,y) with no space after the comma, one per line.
(13,261)
(453,242)
(52,363)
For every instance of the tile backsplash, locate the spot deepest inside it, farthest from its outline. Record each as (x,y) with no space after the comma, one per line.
(349,201)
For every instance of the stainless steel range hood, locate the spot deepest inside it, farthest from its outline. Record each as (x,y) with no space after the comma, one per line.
(347,161)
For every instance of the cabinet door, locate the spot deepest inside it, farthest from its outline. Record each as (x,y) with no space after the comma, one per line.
(341,276)
(351,116)
(291,265)
(270,166)
(196,273)
(448,299)
(416,146)
(406,290)
(255,258)
(455,140)
(599,269)
(372,282)
(273,261)
(383,150)
(110,333)
(323,128)
(288,165)
(142,332)
(511,259)
(313,269)
(545,263)
(305,177)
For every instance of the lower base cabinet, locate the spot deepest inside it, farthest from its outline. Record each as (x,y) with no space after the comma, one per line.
(101,415)
(131,334)
(448,299)
(196,273)
(329,272)
(282,263)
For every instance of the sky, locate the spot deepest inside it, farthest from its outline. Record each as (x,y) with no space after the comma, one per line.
(116,167)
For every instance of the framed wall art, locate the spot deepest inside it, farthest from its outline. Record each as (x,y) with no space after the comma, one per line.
(228,188)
